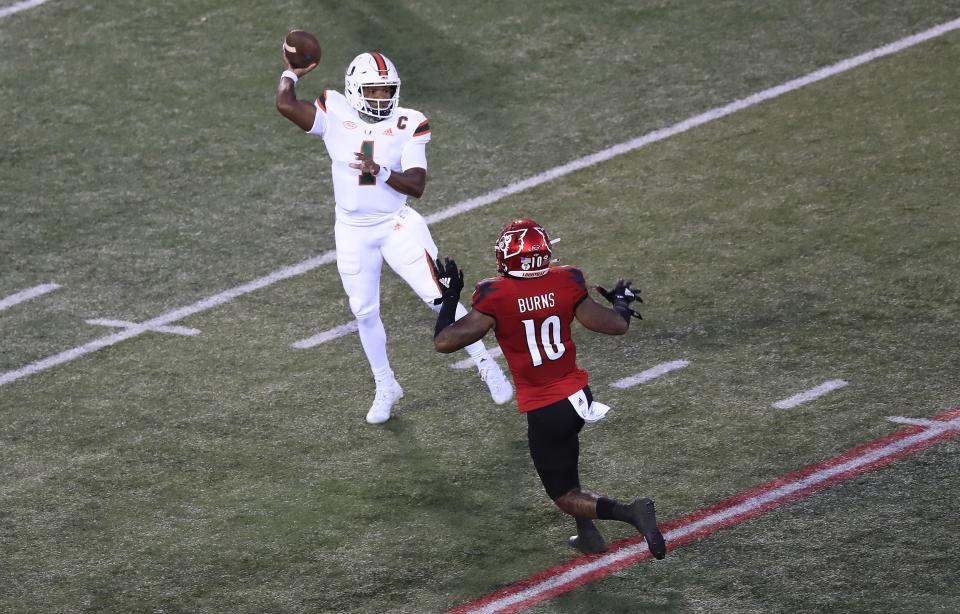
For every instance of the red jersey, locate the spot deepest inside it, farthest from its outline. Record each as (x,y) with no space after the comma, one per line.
(533,328)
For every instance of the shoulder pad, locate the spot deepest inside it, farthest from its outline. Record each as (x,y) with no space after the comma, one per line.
(574,274)
(485,288)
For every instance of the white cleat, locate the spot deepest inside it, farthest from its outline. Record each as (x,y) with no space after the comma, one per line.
(500,389)
(387,394)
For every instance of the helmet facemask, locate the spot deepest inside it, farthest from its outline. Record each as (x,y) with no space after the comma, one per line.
(379,108)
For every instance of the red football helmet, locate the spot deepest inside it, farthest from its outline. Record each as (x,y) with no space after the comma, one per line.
(523,249)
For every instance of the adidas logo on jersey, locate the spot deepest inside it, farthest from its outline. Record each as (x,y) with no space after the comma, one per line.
(388,132)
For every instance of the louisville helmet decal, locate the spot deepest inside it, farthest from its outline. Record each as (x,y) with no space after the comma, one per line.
(523,249)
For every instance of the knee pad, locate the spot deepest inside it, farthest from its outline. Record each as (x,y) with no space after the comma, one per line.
(366,314)
(364,307)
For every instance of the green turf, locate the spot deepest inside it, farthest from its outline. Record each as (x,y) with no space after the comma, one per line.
(813,237)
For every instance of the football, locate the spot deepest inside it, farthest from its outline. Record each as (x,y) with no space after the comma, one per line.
(301,48)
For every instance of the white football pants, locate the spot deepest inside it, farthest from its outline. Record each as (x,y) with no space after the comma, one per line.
(404,242)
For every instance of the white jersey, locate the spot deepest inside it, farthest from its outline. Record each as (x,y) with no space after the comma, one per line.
(399,143)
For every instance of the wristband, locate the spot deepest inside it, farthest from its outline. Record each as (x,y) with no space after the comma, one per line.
(289,74)
(384,173)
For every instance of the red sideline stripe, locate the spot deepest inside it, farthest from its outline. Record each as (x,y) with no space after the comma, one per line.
(731,511)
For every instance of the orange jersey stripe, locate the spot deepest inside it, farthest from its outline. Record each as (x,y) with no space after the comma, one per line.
(433,272)
(322,101)
(423,128)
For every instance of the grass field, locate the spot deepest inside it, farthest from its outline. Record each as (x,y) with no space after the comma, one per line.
(813,237)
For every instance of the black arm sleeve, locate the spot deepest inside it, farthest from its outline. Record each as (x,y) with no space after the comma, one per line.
(448,312)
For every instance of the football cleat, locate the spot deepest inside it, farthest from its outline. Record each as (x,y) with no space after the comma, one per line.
(388,393)
(500,389)
(588,542)
(645,519)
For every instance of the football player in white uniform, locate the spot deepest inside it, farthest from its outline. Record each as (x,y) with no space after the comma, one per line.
(378,158)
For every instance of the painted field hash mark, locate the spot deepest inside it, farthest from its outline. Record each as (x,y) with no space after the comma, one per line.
(26,295)
(327,335)
(729,512)
(494,196)
(170,330)
(651,373)
(811,394)
(20,6)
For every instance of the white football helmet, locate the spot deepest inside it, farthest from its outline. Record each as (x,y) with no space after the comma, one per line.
(369,69)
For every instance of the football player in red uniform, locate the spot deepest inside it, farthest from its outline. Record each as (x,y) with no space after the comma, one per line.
(531,306)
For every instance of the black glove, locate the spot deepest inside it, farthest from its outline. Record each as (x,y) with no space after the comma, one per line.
(450,278)
(622,296)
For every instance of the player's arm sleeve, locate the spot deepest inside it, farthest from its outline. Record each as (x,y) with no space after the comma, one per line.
(320,120)
(415,151)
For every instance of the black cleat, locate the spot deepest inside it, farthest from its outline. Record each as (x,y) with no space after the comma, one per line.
(588,542)
(645,519)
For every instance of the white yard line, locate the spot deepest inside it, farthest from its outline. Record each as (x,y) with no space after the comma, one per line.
(651,373)
(729,512)
(172,330)
(933,424)
(26,295)
(496,195)
(167,318)
(327,335)
(707,523)
(697,120)
(20,6)
(809,395)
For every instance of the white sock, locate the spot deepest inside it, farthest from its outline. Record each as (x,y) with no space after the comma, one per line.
(373,338)
(477,350)
(383,375)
